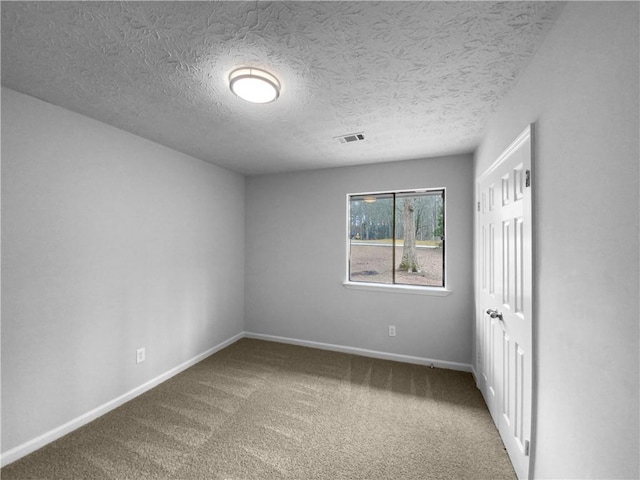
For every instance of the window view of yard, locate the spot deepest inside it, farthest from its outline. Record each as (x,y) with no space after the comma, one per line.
(397,238)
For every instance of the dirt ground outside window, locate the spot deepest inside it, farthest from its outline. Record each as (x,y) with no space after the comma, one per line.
(372,263)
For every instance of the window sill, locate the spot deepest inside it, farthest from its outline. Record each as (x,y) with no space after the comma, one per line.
(379,287)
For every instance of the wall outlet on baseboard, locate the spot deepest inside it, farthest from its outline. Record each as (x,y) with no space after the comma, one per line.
(140,355)
(392,330)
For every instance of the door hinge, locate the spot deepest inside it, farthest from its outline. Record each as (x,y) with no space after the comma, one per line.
(527,178)
(526,448)
(478,206)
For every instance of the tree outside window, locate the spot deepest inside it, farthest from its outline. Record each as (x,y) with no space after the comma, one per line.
(397,238)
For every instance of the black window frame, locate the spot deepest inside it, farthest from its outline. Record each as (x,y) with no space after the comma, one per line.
(394,194)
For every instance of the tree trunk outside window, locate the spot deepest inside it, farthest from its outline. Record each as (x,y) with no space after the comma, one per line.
(409,256)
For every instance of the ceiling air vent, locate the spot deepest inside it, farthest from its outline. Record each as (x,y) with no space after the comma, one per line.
(351,137)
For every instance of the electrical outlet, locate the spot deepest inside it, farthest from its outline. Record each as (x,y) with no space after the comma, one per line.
(140,355)
(392,330)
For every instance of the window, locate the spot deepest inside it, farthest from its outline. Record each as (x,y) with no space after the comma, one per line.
(397,238)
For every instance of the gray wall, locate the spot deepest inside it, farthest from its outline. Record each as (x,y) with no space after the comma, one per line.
(582,92)
(109,243)
(296,255)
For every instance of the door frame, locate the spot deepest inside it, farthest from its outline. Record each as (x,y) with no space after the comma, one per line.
(529,132)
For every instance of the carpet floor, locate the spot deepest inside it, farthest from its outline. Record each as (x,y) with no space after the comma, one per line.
(264,410)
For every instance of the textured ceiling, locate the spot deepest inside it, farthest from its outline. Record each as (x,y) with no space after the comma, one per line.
(418,78)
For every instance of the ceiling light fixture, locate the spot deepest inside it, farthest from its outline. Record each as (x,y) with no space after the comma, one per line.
(254,85)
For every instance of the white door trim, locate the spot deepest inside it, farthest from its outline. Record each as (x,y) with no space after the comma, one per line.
(526,134)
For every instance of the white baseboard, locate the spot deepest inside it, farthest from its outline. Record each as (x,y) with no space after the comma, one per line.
(475,376)
(364,352)
(32,445)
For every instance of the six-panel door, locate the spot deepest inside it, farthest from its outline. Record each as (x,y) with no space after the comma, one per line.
(505,291)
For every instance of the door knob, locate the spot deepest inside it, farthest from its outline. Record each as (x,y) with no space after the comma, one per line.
(495,314)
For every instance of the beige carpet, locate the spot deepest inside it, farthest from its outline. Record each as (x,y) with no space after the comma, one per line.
(263,410)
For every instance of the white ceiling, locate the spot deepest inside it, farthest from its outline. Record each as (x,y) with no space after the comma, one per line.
(420,79)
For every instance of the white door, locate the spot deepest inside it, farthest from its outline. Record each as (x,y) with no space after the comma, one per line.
(504,296)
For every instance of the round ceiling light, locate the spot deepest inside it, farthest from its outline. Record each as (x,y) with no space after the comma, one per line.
(254,85)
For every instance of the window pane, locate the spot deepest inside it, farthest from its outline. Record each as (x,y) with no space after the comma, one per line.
(371,232)
(403,245)
(420,239)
